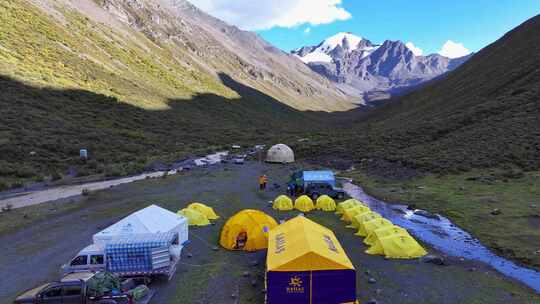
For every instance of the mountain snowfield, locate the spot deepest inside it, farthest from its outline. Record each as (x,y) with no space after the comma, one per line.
(374,71)
(347,41)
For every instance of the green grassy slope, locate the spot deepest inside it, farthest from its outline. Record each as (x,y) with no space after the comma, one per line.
(36,47)
(69,82)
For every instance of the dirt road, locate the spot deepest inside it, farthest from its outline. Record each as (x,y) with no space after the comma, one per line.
(34,253)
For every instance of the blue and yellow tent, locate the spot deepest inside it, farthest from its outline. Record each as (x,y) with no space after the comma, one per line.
(306,264)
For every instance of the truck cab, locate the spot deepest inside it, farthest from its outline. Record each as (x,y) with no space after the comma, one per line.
(71,289)
(92,258)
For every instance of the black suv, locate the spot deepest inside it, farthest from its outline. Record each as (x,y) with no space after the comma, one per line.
(314,190)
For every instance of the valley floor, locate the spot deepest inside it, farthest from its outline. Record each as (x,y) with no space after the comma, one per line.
(48,235)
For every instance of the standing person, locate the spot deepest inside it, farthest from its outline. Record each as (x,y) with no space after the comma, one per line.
(262,182)
(265,181)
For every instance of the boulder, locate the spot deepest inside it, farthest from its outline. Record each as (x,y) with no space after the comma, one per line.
(434,259)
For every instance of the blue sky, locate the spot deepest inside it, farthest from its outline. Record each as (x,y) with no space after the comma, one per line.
(426,23)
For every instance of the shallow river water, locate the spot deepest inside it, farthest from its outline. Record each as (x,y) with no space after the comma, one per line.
(440,233)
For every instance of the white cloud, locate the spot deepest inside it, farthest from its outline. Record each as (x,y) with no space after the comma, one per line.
(307,30)
(265,14)
(416,50)
(453,49)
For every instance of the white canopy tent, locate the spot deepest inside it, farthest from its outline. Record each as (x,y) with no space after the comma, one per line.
(150,220)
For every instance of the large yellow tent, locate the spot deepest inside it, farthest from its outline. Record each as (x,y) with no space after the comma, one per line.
(283,203)
(325,203)
(349,214)
(347,204)
(366,227)
(304,204)
(381,232)
(397,247)
(306,264)
(206,210)
(251,224)
(195,218)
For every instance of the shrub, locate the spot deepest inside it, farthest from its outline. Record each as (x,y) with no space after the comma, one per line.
(92,164)
(3,186)
(55,176)
(16,185)
(7,208)
(24,172)
(83,172)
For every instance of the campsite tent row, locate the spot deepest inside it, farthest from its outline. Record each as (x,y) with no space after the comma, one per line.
(383,237)
(304,203)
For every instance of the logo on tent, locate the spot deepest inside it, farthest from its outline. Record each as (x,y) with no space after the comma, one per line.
(280,242)
(295,285)
(330,244)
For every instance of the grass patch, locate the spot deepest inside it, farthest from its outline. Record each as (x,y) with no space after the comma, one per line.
(469,200)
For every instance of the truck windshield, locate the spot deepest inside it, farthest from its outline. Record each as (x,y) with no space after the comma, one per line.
(80,260)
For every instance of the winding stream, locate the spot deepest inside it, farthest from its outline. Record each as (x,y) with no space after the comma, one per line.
(440,233)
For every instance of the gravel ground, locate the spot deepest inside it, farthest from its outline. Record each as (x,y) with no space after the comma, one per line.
(34,253)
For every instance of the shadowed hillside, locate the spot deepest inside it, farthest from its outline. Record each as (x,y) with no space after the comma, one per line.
(42,129)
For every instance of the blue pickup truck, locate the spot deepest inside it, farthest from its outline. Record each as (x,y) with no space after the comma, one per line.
(315,184)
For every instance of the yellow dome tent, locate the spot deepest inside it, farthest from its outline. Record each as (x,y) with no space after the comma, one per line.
(304,204)
(346,204)
(283,203)
(325,203)
(247,230)
(349,214)
(379,233)
(205,210)
(195,218)
(359,219)
(367,226)
(397,247)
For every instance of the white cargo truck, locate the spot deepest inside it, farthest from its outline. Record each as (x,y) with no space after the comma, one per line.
(146,243)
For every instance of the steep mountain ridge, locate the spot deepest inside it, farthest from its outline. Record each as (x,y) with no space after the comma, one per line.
(138,81)
(481,115)
(169,48)
(363,68)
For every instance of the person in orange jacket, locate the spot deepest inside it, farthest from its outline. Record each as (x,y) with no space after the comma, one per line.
(263,180)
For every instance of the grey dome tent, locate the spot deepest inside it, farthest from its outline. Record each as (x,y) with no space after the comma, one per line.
(280,154)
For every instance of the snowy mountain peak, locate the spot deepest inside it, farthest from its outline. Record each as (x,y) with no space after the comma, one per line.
(340,43)
(359,65)
(347,41)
